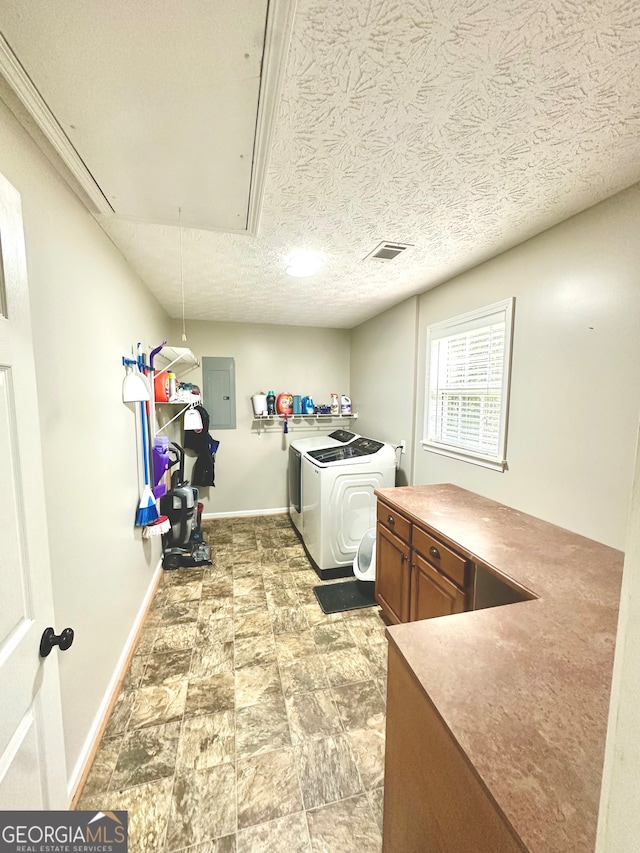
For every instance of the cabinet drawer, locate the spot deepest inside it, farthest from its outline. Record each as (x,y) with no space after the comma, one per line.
(395,522)
(446,561)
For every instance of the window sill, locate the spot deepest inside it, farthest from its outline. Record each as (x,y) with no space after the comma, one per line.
(492,464)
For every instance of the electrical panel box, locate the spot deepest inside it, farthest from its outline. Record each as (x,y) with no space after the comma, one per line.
(219,391)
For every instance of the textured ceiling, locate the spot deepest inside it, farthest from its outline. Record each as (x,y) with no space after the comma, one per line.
(460,127)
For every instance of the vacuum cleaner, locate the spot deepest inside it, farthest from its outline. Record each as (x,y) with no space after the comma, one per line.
(183,544)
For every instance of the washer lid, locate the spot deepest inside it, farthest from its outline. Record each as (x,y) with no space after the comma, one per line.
(335,439)
(356,450)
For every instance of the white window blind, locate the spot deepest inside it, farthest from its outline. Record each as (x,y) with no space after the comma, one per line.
(467,385)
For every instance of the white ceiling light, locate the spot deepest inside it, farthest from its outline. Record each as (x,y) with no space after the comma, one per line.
(303,262)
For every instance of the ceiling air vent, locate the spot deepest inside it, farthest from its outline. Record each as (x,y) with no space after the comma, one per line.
(387,251)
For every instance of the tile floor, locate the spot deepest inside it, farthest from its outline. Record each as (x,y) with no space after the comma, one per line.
(249,721)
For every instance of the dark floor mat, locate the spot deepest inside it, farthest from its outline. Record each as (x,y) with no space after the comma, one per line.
(336,597)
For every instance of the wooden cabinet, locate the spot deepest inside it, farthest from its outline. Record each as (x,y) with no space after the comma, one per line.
(433,798)
(417,575)
(393,575)
(393,563)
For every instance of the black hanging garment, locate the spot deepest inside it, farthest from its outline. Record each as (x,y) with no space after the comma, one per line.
(203,473)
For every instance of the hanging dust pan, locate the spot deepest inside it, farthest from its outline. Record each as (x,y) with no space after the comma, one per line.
(134,388)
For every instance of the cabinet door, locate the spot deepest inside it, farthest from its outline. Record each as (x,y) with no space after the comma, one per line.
(431,593)
(392,575)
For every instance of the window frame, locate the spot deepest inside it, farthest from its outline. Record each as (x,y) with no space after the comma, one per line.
(447,329)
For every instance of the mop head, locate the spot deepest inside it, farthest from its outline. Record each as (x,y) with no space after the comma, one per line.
(147,511)
(157,528)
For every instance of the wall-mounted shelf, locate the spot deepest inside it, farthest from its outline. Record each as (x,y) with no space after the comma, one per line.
(189,400)
(352,416)
(183,408)
(177,359)
(273,423)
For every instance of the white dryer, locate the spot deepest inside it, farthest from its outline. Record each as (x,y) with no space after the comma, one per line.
(338,500)
(297,449)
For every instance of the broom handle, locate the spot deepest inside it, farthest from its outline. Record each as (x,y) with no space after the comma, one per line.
(145,452)
(139,463)
(144,421)
(153,426)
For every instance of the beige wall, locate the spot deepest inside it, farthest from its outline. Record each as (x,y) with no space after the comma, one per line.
(87,309)
(251,469)
(383,359)
(575,390)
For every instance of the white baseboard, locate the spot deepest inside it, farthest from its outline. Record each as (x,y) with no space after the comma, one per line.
(242,513)
(96,730)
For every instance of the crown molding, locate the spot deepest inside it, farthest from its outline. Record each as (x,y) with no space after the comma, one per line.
(22,86)
(280,17)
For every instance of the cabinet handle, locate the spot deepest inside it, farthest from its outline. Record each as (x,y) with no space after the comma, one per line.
(403,559)
(434,552)
(390,519)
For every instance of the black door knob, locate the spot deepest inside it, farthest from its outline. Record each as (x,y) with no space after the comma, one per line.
(50,639)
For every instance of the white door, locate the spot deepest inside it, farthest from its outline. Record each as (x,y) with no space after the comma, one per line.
(32,766)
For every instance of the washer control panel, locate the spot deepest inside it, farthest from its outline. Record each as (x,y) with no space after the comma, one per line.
(342,435)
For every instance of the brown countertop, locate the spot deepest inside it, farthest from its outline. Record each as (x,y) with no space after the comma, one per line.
(523,688)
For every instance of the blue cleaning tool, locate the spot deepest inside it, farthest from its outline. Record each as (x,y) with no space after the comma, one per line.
(147,510)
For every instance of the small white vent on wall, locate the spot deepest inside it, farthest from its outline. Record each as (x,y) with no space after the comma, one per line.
(387,251)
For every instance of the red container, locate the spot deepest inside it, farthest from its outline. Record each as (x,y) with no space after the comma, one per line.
(161,386)
(284,404)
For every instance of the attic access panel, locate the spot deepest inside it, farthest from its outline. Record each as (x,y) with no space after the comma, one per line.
(160,101)
(219,391)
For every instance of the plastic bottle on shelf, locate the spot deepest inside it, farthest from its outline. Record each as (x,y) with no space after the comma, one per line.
(172,386)
(345,405)
(335,405)
(161,387)
(271,403)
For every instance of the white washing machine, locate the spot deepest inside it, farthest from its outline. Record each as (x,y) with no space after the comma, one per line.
(297,449)
(338,500)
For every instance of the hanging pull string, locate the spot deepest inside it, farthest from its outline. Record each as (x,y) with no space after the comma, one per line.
(184,333)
